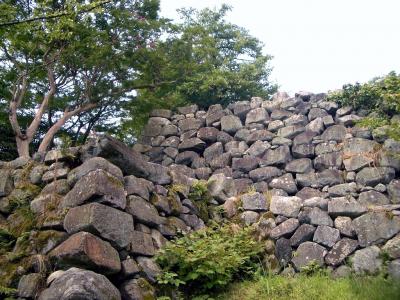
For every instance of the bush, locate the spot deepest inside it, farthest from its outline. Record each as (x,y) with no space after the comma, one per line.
(381,95)
(208,258)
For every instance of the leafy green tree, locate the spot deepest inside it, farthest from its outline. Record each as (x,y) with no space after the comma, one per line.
(204,60)
(62,59)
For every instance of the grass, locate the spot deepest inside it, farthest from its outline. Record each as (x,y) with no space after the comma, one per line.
(315,287)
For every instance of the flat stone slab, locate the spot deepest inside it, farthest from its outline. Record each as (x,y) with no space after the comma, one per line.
(82,284)
(85,249)
(109,223)
(376,227)
(99,186)
(308,253)
(285,206)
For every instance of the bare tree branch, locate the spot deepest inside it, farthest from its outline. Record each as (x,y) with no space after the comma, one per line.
(57,126)
(15,103)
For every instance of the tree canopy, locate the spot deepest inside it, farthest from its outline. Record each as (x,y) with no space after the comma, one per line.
(70,66)
(204,60)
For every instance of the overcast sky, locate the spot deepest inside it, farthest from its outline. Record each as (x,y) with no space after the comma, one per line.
(318,45)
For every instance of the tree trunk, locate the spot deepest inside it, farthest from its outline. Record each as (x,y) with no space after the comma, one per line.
(23,147)
(44,145)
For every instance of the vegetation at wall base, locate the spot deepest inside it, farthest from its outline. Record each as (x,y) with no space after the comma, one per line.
(208,259)
(318,286)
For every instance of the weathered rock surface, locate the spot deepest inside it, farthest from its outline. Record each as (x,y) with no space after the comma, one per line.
(80,284)
(367,261)
(85,249)
(99,186)
(285,206)
(375,227)
(307,253)
(109,223)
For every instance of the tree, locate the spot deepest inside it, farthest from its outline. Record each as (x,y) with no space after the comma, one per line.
(62,59)
(204,60)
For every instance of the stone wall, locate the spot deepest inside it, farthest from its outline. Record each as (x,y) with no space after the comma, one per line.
(331,186)
(318,189)
(95,222)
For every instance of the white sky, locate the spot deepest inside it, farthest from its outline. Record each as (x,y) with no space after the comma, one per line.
(318,45)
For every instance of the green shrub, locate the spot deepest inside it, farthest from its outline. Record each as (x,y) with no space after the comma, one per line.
(208,258)
(380,95)
(199,191)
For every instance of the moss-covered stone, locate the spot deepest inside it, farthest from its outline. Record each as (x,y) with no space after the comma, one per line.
(20,196)
(22,220)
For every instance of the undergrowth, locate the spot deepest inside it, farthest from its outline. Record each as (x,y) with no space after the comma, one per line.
(319,286)
(208,259)
(380,98)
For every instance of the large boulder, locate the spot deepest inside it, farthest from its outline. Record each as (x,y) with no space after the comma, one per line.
(367,261)
(129,161)
(371,176)
(85,249)
(189,124)
(326,236)
(99,186)
(143,211)
(138,186)
(221,187)
(372,197)
(375,227)
(392,247)
(29,285)
(285,229)
(283,251)
(80,284)
(109,223)
(345,206)
(285,206)
(257,115)
(302,234)
(334,133)
(193,144)
(276,157)
(6,182)
(141,244)
(208,134)
(137,289)
(285,182)
(231,124)
(264,174)
(301,165)
(308,253)
(393,189)
(345,226)
(245,164)
(340,251)
(254,201)
(93,164)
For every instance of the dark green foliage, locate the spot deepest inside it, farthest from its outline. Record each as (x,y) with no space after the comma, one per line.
(204,60)
(201,197)
(381,95)
(7,240)
(93,58)
(209,258)
(380,98)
